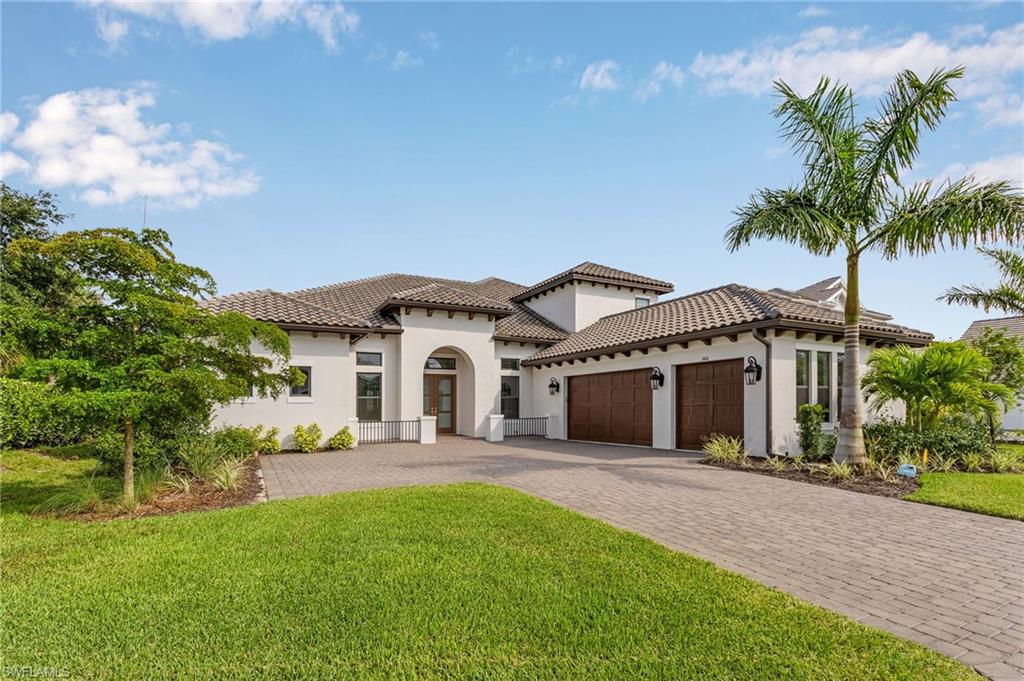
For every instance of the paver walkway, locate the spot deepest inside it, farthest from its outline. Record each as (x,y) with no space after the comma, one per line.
(951,580)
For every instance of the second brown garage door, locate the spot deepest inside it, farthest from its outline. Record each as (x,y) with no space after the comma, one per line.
(612,407)
(709,401)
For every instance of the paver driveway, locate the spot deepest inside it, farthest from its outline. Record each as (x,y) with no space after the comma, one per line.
(950,580)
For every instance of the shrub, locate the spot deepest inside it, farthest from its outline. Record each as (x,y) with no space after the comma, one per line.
(973,461)
(1004,461)
(92,494)
(149,451)
(308,439)
(888,440)
(725,449)
(777,464)
(809,419)
(236,442)
(30,415)
(149,482)
(179,482)
(839,470)
(227,475)
(199,456)
(343,439)
(267,443)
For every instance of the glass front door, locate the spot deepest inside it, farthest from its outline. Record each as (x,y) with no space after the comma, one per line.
(439,400)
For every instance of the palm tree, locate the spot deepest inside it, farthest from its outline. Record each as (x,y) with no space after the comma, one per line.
(853,199)
(945,379)
(1008,296)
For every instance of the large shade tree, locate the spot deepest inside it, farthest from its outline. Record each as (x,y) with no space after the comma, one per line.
(853,199)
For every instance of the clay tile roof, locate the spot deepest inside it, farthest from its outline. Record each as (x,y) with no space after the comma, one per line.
(706,314)
(1014,326)
(589,271)
(281,308)
(525,324)
(446,295)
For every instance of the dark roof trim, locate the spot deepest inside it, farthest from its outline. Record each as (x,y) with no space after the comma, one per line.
(525,339)
(392,303)
(779,324)
(352,330)
(569,277)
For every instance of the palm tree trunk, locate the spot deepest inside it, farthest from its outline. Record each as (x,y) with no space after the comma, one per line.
(851,412)
(129,462)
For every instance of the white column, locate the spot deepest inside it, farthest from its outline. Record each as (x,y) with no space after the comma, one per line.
(554,431)
(353,425)
(428,430)
(495,427)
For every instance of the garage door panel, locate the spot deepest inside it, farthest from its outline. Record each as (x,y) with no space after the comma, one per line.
(611,407)
(709,401)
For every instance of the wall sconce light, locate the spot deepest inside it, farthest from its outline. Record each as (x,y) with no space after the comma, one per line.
(553,386)
(657,378)
(752,371)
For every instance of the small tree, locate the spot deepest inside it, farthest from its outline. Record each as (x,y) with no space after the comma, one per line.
(1006,357)
(942,380)
(138,350)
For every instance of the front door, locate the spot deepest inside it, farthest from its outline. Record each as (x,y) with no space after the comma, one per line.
(439,400)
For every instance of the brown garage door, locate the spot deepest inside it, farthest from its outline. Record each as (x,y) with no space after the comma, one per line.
(612,407)
(709,401)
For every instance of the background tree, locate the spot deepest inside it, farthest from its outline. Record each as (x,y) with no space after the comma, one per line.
(852,199)
(138,350)
(1008,296)
(944,379)
(1006,357)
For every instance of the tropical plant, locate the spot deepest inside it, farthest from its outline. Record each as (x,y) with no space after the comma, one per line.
(267,442)
(236,442)
(179,482)
(199,456)
(944,379)
(973,462)
(91,494)
(809,420)
(343,439)
(137,350)
(888,440)
(227,475)
(1008,296)
(725,449)
(853,199)
(1004,461)
(307,439)
(777,464)
(1006,358)
(839,470)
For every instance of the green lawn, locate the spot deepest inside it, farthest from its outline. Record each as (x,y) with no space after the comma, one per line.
(999,494)
(460,581)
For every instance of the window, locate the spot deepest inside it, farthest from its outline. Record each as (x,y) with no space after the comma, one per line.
(368,397)
(509,364)
(510,397)
(824,362)
(642,302)
(304,389)
(839,382)
(368,359)
(803,377)
(440,363)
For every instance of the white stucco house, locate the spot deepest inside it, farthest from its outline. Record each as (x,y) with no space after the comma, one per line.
(1013,326)
(592,353)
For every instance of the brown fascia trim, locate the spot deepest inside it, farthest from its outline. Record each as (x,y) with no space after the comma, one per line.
(320,328)
(865,334)
(526,339)
(643,288)
(442,306)
(656,342)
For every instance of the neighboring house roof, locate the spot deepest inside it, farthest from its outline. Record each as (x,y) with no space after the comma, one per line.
(588,271)
(1014,326)
(710,313)
(283,309)
(831,291)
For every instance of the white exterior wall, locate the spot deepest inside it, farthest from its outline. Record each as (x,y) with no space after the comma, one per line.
(558,305)
(664,399)
(580,304)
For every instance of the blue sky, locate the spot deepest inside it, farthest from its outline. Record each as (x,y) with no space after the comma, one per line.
(286,146)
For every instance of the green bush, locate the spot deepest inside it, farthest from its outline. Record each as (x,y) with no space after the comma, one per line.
(725,449)
(267,443)
(199,455)
(887,441)
(149,451)
(343,439)
(31,415)
(308,439)
(227,475)
(236,442)
(809,420)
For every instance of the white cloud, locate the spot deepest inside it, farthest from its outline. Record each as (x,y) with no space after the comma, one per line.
(1009,167)
(213,20)
(774,152)
(850,55)
(968,32)
(522,60)
(430,40)
(96,141)
(813,12)
(664,73)
(600,76)
(404,60)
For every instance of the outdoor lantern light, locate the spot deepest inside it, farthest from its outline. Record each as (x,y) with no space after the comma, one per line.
(657,378)
(752,371)
(553,386)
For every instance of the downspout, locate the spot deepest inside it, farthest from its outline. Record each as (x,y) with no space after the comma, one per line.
(767,343)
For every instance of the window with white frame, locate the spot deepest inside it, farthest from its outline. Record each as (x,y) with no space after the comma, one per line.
(439,363)
(803,378)
(509,364)
(369,359)
(641,301)
(304,389)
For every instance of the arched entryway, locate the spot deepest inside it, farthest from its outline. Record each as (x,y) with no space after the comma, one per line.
(449,391)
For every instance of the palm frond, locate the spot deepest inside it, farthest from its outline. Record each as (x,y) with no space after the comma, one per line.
(821,128)
(921,221)
(1008,296)
(894,133)
(786,215)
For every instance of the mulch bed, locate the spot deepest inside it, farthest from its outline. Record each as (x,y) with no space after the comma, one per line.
(868,484)
(202,497)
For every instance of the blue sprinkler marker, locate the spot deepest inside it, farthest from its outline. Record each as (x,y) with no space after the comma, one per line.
(907,470)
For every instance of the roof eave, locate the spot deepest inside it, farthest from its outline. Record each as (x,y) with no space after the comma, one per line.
(393,303)
(536,291)
(325,328)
